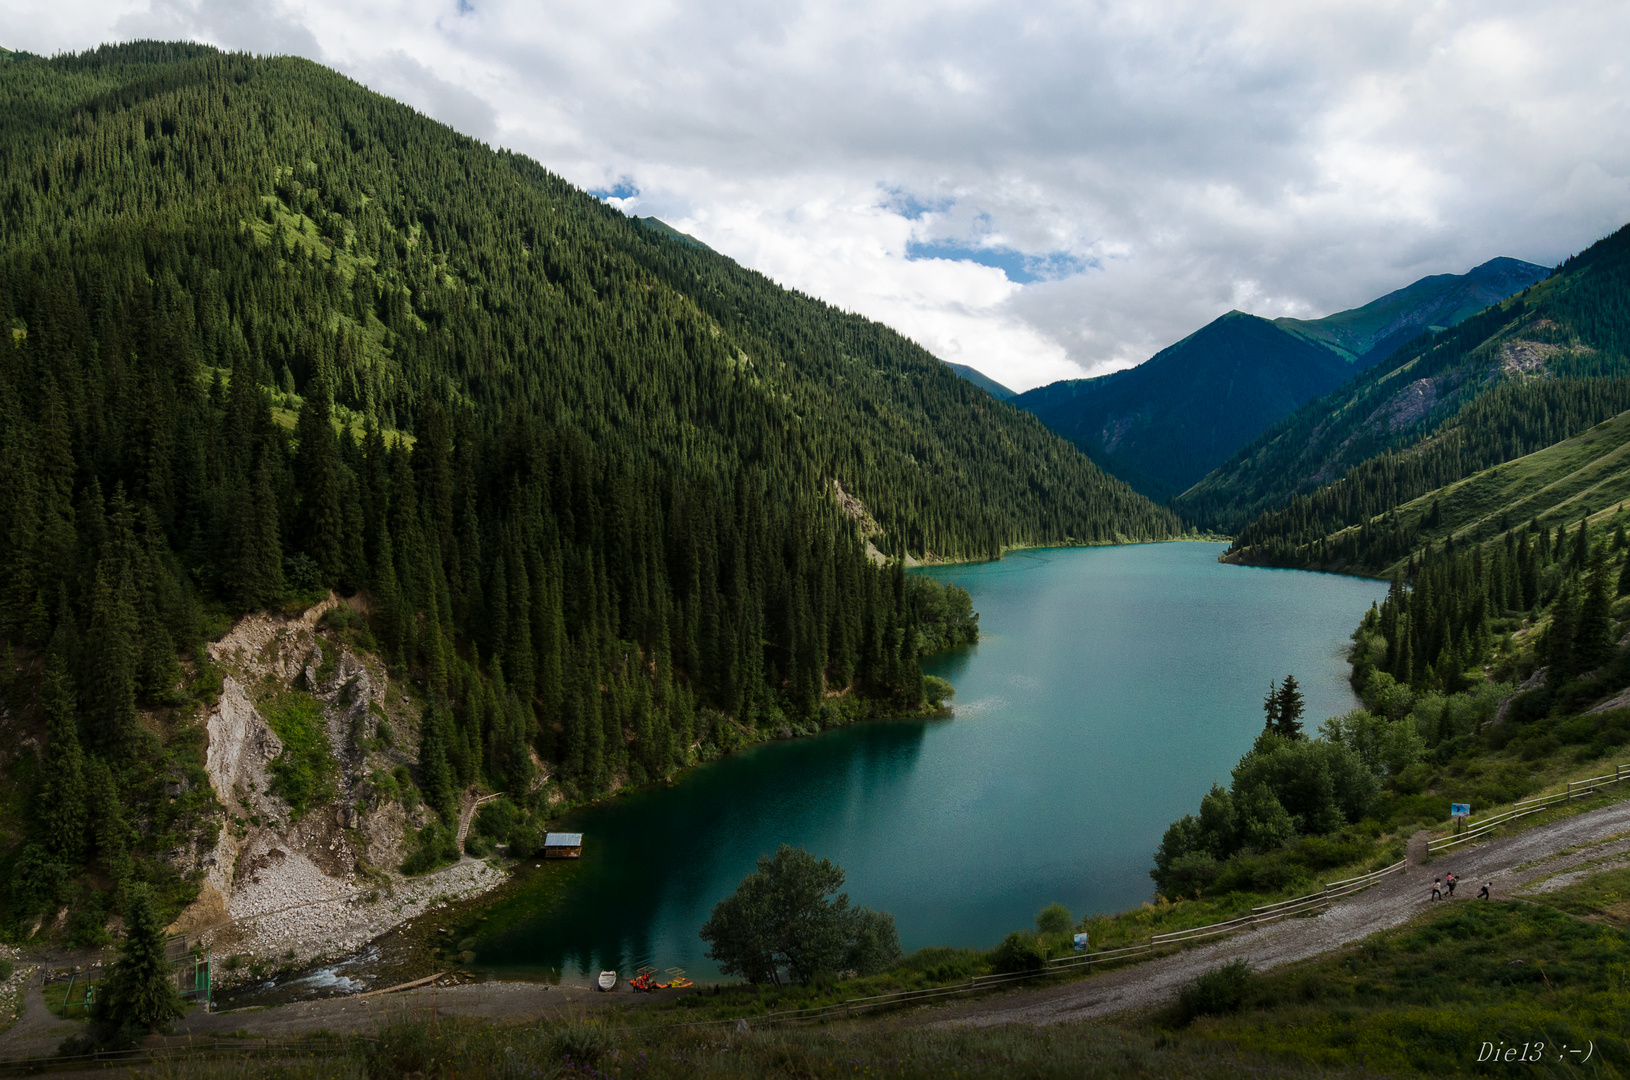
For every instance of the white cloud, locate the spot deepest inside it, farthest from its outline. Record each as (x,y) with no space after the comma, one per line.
(1163,162)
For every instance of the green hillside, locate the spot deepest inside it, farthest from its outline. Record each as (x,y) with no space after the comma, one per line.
(1587,475)
(593,509)
(657,225)
(1520,376)
(981,380)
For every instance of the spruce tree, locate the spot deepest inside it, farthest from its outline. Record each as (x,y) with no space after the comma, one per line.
(322,513)
(139,996)
(435,771)
(1593,638)
(1286,718)
(64,797)
(114,656)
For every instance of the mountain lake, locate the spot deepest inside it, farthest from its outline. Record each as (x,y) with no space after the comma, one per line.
(1111,686)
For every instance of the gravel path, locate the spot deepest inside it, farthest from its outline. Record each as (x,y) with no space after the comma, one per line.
(1509,862)
(37,1031)
(295,915)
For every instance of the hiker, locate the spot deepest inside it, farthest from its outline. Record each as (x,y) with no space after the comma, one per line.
(1449,880)
(1437,888)
(1484,895)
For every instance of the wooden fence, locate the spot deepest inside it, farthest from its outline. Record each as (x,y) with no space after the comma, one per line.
(1310,904)
(1577,789)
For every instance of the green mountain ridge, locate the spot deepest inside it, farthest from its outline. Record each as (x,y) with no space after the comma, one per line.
(1586,476)
(983,381)
(1527,373)
(1374,331)
(657,225)
(1165,424)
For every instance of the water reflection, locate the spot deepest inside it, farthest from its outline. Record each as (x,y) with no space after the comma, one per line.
(653,861)
(1112,686)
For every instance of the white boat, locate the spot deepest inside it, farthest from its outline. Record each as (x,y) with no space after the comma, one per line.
(607,980)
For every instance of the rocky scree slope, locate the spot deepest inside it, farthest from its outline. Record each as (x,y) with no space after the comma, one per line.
(290,886)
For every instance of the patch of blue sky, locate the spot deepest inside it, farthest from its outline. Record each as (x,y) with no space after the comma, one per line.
(622,189)
(1020,268)
(911,207)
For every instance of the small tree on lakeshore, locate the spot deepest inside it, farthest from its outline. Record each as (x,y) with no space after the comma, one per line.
(783,918)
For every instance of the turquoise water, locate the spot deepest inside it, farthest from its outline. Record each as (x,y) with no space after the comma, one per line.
(1110,688)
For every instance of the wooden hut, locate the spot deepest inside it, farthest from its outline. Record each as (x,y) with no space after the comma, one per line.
(563,845)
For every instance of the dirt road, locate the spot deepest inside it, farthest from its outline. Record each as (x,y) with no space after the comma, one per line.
(1511,863)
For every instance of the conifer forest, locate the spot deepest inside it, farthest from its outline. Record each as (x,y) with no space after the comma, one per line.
(269,334)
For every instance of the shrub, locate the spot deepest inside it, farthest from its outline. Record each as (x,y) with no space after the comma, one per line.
(1055,919)
(498,819)
(582,1043)
(1216,992)
(303,773)
(1190,874)
(874,944)
(525,841)
(936,690)
(437,847)
(1019,952)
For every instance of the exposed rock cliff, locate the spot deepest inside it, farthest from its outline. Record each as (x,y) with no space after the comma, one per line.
(288,886)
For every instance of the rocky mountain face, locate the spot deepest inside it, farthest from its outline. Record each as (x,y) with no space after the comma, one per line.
(285,883)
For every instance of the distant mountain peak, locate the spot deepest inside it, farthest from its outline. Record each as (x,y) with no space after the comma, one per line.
(983,381)
(1164,424)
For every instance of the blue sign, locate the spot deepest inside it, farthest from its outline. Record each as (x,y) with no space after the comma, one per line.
(1460,809)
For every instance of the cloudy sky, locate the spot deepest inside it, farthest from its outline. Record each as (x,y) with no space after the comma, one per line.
(1041,190)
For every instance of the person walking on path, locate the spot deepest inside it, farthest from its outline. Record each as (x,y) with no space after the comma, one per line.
(1484,894)
(1449,880)
(1437,888)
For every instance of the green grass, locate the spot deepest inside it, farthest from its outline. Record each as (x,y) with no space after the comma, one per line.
(58,992)
(1555,485)
(1603,898)
(1429,995)
(603,1049)
(303,774)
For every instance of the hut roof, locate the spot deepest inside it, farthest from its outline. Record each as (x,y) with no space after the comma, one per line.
(563,839)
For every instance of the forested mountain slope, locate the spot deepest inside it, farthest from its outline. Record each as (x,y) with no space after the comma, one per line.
(268,333)
(981,380)
(1166,423)
(1586,476)
(1522,375)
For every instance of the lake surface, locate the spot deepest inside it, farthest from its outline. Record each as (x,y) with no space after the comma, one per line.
(1111,686)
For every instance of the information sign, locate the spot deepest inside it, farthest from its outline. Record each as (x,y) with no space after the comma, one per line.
(1460,809)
